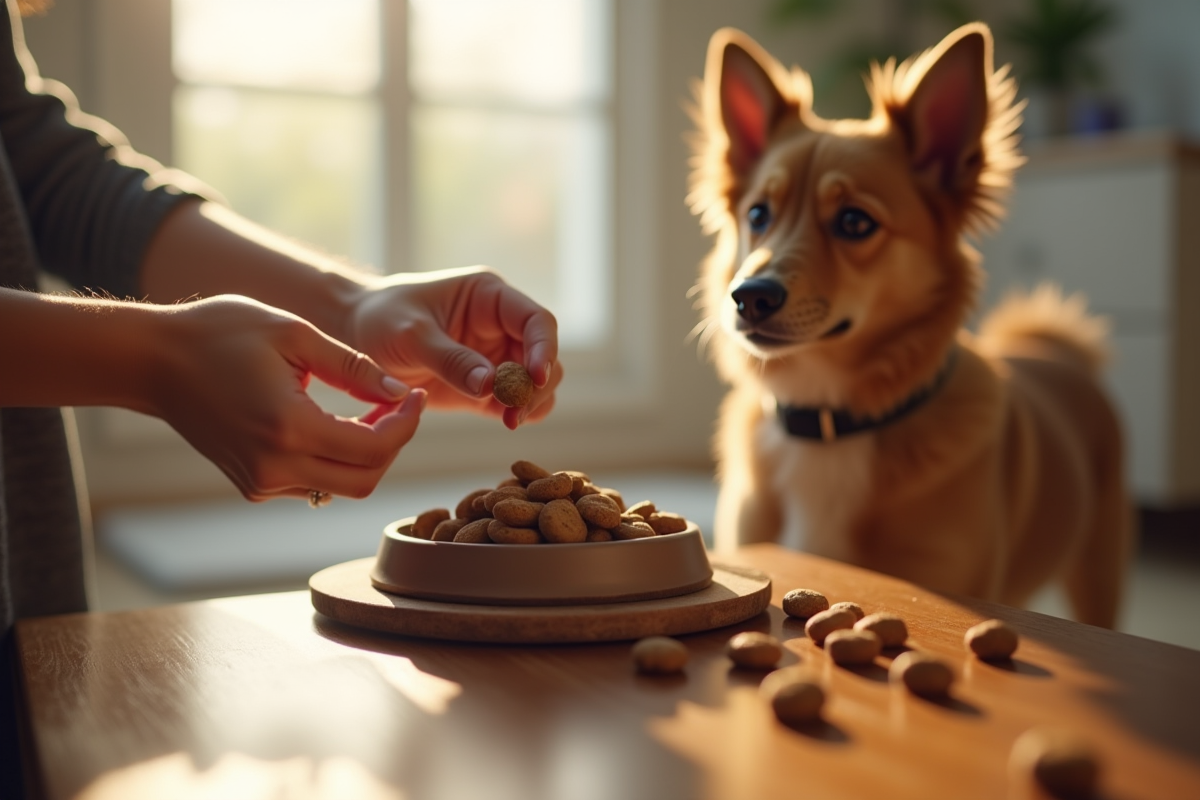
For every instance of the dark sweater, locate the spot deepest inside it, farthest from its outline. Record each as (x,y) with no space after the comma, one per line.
(76,202)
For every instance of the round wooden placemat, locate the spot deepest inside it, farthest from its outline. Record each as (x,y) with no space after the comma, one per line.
(344,593)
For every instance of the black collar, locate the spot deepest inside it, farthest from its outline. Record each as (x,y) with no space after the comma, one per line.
(827,425)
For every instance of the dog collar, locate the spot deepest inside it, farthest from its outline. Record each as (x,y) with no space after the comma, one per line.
(828,425)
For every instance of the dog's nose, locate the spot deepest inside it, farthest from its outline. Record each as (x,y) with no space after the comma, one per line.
(759,298)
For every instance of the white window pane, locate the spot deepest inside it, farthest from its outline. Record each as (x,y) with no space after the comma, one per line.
(524,193)
(537,51)
(304,165)
(297,44)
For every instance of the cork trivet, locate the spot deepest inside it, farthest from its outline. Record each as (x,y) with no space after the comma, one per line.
(344,593)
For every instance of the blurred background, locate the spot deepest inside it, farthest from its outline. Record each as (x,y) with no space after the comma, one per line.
(547,139)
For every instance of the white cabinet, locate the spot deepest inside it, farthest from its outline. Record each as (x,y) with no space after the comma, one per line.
(1118,219)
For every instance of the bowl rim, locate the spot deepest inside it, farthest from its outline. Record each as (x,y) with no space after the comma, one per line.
(689,560)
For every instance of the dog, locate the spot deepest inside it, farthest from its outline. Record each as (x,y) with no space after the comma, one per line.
(864,423)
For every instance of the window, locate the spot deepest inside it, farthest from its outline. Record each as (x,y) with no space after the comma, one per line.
(418,135)
(502,127)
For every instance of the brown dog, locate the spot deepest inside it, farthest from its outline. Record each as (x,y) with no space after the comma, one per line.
(863,423)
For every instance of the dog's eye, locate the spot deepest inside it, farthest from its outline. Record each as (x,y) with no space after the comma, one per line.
(854,224)
(759,217)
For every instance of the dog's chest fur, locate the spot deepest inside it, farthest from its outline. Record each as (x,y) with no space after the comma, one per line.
(823,487)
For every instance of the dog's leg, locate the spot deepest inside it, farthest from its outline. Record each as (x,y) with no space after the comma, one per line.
(1095,581)
(747,510)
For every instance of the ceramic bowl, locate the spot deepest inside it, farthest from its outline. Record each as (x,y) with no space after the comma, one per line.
(541,574)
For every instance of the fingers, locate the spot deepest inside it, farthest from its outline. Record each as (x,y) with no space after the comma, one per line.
(346,369)
(344,457)
(535,327)
(541,404)
(460,367)
(371,441)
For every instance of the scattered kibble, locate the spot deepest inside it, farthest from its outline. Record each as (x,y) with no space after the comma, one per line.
(850,647)
(991,640)
(659,655)
(754,650)
(826,622)
(890,629)
(804,603)
(853,608)
(1062,762)
(794,694)
(923,674)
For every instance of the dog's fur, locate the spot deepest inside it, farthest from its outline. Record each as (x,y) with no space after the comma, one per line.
(1010,474)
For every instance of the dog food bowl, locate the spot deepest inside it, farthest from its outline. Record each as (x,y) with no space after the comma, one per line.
(541,574)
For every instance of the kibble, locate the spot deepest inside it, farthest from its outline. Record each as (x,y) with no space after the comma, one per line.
(598,510)
(826,622)
(794,694)
(538,506)
(527,472)
(513,386)
(518,513)
(853,608)
(991,640)
(850,647)
(474,532)
(560,522)
(1061,761)
(754,650)
(922,674)
(448,529)
(466,508)
(424,525)
(890,629)
(664,522)
(804,603)
(660,655)
(500,533)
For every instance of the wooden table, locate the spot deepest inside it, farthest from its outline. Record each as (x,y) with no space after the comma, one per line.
(258,697)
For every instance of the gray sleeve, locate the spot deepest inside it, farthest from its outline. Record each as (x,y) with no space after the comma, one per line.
(92,203)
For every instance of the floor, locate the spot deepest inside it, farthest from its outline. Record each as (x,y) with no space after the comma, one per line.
(148,557)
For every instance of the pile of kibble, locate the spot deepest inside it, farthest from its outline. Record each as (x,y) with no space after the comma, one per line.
(1060,761)
(535,506)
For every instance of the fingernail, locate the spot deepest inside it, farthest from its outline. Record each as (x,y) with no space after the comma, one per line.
(545,375)
(393,387)
(475,379)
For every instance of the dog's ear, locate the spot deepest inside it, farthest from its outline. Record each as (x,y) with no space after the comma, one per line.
(742,95)
(947,111)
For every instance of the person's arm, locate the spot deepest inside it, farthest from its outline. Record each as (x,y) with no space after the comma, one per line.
(227,373)
(442,331)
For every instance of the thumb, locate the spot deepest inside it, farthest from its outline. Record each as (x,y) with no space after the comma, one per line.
(459,366)
(348,370)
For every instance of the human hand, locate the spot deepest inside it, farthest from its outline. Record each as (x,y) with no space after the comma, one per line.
(234,382)
(446,331)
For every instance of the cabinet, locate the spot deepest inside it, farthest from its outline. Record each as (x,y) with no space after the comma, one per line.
(1118,219)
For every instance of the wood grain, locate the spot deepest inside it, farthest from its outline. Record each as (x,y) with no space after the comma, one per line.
(260,697)
(344,593)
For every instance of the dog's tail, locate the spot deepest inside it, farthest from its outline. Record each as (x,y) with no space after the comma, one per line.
(1045,322)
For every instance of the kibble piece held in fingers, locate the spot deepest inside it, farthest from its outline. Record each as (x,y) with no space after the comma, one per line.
(513,386)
